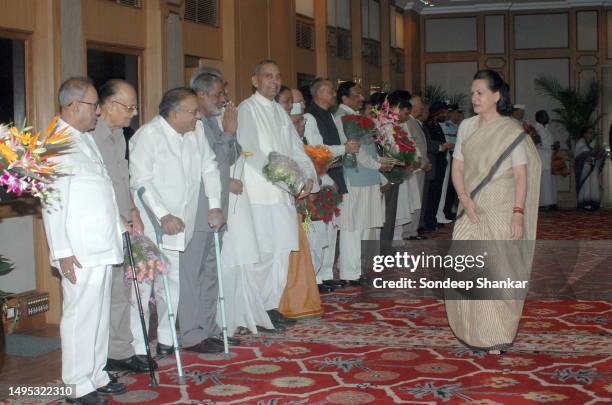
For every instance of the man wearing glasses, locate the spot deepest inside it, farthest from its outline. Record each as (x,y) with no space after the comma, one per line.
(117,108)
(169,162)
(84,235)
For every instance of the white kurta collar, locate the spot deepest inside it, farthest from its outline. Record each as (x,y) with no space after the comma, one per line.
(263,100)
(168,128)
(348,109)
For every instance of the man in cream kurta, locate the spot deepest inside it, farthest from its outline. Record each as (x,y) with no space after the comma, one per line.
(548,186)
(168,161)
(84,234)
(264,127)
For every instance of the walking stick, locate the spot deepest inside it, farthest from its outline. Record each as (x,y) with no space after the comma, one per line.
(171,317)
(128,244)
(221,294)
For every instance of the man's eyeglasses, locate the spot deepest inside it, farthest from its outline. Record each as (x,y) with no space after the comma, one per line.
(130,108)
(94,105)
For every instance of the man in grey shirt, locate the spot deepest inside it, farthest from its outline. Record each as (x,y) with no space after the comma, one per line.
(118,105)
(197,310)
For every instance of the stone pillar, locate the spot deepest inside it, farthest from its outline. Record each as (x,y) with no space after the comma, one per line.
(73,50)
(320,17)
(175,60)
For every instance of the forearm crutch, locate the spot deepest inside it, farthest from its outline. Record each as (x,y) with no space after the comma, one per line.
(171,317)
(221,294)
(128,244)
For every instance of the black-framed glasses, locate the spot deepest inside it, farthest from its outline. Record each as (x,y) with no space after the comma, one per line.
(130,108)
(94,105)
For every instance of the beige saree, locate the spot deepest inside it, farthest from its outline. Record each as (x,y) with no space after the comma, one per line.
(491,324)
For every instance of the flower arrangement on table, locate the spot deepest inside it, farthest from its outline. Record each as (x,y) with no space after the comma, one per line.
(149,260)
(321,157)
(360,128)
(285,173)
(396,146)
(25,168)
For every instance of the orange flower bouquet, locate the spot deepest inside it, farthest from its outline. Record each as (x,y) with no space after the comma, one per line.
(321,157)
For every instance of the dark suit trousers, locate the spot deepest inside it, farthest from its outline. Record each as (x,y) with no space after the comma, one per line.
(435,193)
(451,194)
(199,289)
(391,196)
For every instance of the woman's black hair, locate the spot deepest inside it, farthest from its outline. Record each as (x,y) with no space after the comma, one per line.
(495,83)
(282,89)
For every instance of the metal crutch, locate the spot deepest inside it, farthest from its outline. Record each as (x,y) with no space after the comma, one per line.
(128,244)
(221,293)
(171,317)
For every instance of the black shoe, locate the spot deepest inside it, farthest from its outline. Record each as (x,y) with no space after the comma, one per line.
(361,281)
(219,340)
(163,350)
(90,399)
(276,316)
(135,364)
(206,346)
(112,388)
(278,328)
(325,289)
(335,283)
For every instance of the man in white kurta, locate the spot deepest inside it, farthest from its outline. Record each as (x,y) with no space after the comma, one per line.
(587,168)
(363,209)
(84,235)
(548,186)
(167,160)
(264,127)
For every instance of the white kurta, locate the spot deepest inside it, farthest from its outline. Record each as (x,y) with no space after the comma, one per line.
(548,186)
(264,127)
(239,253)
(170,167)
(84,222)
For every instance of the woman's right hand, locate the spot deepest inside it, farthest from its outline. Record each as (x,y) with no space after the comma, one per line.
(470,209)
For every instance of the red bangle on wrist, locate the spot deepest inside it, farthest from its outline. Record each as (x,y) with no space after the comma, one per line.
(518,210)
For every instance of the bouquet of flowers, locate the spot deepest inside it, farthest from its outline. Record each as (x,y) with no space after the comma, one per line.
(360,128)
(24,164)
(148,258)
(285,173)
(321,157)
(325,204)
(397,147)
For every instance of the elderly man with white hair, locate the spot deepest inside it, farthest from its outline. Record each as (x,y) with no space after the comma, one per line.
(84,235)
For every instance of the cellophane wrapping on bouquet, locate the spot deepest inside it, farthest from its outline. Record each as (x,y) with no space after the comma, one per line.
(394,143)
(285,173)
(148,259)
(360,128)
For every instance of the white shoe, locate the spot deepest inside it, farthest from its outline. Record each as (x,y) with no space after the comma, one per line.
(444,221)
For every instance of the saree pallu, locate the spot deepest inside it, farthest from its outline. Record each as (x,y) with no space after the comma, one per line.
(301,297)
(491,324)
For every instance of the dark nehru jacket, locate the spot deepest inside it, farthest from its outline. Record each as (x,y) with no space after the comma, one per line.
(329,132)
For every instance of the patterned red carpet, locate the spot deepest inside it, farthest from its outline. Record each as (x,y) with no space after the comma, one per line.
(384,347)
(379,347)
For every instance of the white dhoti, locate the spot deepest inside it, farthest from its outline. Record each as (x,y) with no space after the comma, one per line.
(156,289)
(84,328)
(362,210)
(318,239)
(243,300)
(415,182)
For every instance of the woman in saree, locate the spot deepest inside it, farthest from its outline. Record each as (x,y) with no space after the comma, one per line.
(496,172)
